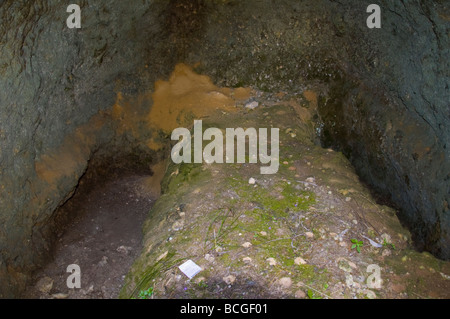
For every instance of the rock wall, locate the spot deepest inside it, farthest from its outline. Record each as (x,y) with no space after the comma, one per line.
(57,84)
(384,94)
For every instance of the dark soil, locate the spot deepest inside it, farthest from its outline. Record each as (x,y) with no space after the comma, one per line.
(103,239)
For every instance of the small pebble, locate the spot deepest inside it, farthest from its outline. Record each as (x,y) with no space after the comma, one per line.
(371,295)
(300,294)
(285,282)
(229,280)
(299,261)
(252,105)
(272,261)
(386,253)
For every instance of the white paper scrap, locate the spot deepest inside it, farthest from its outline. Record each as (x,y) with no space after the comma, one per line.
(190,269)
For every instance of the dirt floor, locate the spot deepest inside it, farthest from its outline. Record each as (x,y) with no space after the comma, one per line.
(103,240)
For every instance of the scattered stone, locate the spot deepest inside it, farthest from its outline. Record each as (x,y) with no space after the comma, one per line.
(349,280)
(178,225)
(210,258)
(252,105)
(299,261)
(347,199)
(285,163)
(272,261)
(310,180)
(300,294)
(371,295)
(229,280)
(355,222)
(309,235)
(252,181)
(386,237)
(345,265)
(182,214)
(285,282)
(386,253)
(330,192)
(247,260)
(247,245)
(45,285)
(60,296)
(292,168)
(352,264)
(447,277)
(124,250)
(103,262)
(263,233)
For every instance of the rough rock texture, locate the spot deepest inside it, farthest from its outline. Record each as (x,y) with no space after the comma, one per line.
(53,81)
(385,94)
